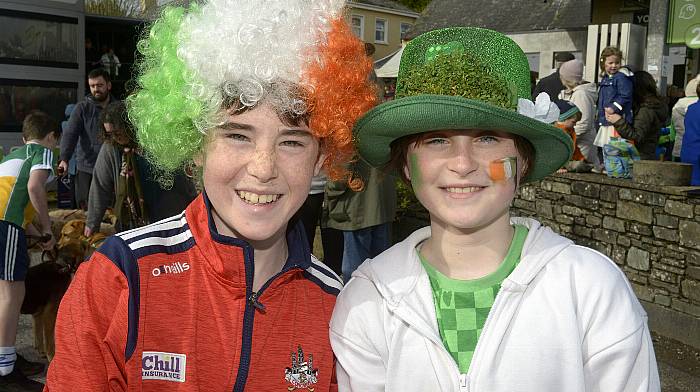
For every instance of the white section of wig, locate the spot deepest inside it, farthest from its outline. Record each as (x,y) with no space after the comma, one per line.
(253,50)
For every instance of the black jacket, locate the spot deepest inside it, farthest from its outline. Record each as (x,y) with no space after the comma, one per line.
(649,118)
(549,84)
(82,134)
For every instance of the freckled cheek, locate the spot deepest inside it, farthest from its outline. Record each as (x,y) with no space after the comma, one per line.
(297,170)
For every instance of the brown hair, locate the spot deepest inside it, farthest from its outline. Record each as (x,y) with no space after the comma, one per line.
(607,52)
(399,152)
(115,114)
(38,124)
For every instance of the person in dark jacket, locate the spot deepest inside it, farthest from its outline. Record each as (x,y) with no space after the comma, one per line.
(81,136)
(552,84)
(650,114)
(124,179)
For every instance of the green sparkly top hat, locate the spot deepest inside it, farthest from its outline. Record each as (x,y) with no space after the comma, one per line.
(465,78)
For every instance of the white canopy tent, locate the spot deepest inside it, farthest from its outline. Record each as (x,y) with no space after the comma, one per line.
(388,67)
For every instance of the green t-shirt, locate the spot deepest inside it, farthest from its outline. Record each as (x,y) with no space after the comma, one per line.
(14,177)
(463,305)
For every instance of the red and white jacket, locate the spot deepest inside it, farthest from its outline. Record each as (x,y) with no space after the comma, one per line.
(170,307)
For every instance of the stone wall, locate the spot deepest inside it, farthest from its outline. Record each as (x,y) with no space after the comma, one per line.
(651,232)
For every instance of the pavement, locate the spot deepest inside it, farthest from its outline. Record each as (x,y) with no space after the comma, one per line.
(679,364)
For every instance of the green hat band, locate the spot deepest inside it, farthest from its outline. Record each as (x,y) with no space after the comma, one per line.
(458,73)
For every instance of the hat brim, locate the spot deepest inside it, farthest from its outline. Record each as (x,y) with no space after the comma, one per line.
(379,127)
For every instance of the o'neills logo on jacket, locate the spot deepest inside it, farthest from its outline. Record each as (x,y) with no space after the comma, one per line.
(163,366)
(174,268)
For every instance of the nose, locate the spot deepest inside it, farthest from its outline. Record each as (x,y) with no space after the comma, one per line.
(462,161)
(263,165)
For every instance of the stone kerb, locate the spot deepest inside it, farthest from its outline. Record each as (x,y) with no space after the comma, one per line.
(651,232)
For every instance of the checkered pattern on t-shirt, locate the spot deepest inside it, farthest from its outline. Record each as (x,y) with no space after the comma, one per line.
(463,306)
(461,318)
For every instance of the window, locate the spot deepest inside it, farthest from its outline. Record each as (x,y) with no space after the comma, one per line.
(19,97)
(38,39)
(577,55)
(380,30)
(404,29)
(358,26)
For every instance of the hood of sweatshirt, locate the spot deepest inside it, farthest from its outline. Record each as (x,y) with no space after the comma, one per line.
(396,272)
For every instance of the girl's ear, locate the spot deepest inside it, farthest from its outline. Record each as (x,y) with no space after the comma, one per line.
(407,172)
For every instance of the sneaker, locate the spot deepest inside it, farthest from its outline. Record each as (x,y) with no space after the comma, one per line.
(28,368)
(18,382)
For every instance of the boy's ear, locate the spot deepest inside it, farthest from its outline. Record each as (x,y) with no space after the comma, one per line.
(198,158)
(322,155)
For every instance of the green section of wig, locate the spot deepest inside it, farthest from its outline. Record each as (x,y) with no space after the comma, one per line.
(162,109)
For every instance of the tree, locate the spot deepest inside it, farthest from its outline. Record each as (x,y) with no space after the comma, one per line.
(416,5)
(123,8)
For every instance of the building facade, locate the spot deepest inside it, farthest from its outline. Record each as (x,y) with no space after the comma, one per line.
(383,23)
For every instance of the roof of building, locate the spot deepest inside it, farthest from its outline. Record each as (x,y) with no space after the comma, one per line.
(504,16)
(394,5)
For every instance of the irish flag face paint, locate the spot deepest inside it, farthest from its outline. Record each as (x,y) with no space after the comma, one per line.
(504,169)
(414,169)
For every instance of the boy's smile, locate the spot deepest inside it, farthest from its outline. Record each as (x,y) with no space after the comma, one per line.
(257,173)
(258,198)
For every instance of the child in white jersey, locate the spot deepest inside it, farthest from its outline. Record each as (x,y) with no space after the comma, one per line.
(23,174)
(480,300)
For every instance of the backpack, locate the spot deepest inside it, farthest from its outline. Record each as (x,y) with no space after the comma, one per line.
(619,155)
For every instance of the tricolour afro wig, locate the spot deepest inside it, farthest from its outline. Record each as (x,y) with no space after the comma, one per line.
(199,62)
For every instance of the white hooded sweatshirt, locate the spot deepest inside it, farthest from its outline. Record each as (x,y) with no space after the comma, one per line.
(566,319)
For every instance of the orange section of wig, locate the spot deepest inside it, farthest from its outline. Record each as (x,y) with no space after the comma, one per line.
(341,93)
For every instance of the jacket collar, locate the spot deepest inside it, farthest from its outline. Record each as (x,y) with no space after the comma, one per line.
(228,255)
(397,272)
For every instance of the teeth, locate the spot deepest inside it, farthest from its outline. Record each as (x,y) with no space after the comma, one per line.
(254,198)
(468,189)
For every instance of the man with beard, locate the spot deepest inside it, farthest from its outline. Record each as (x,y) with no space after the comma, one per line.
(81,135)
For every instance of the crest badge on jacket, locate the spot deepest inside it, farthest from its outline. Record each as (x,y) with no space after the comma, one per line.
(302,374)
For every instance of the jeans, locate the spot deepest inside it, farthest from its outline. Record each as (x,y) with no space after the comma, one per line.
(364,244)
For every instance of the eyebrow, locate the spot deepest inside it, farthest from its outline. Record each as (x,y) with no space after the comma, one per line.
(296,132)
(229,126)
(232,126)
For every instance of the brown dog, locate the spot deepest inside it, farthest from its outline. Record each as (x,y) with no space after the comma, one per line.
(46,283)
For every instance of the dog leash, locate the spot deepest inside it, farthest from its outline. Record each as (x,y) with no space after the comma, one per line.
(48,255)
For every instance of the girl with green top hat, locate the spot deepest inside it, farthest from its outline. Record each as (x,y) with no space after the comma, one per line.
(480,300)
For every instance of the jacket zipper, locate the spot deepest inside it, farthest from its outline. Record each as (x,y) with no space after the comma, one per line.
(248,315)
(252,303)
